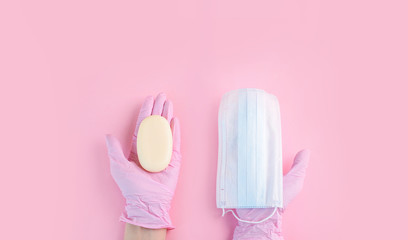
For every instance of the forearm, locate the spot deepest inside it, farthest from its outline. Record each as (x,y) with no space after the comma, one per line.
(133,232)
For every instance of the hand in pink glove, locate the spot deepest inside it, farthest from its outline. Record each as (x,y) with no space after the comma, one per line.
(148,195)
(271,229)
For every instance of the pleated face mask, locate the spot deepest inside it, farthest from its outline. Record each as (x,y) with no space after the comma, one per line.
(249,171)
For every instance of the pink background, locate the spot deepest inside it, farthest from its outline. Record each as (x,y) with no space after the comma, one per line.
(72,71)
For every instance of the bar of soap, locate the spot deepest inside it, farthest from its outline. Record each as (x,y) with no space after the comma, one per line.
(154,143)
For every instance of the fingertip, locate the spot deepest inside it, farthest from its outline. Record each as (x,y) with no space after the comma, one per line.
(161,94)
(168,110)
(148,103)
(115,151)
(108,139)
(111,142)
(146,108)
(303,154)
(144,112)
(302,158)
(150,97)
(158,104)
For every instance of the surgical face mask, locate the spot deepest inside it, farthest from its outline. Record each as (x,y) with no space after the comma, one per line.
(249,171)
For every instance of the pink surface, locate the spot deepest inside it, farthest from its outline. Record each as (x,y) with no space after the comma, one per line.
(73,71)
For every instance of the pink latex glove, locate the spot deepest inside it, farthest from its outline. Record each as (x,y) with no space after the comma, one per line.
(271,228)
(148,195)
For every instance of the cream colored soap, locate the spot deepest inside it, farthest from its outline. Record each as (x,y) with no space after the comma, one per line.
(154,143)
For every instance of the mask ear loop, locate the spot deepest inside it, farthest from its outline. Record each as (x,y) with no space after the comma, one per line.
(246,221)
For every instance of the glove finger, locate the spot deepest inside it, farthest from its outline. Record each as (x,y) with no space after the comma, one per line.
(293,180)
(175,126)
(115,150)
(168,110)
(300,164)
(175,162)
(158,104)
(145,111)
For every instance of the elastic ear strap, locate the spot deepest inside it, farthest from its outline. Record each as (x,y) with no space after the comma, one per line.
(246,221)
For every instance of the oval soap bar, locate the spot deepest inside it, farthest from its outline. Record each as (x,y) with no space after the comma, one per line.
(154,143)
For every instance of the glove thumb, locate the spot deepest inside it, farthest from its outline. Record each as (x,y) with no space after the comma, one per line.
(115,150)
(293,180)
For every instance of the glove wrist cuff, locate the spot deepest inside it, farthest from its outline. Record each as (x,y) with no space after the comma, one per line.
(147,213)
(270,229)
